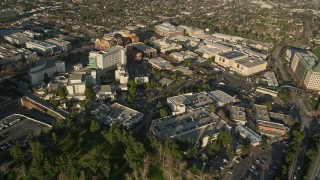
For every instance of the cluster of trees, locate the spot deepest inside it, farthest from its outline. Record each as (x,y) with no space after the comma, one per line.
(224,142)
(312,152)
(297,135)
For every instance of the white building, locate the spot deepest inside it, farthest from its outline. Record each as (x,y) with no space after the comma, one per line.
(248,134)
(219,46)
(105,91)
(76,86)
(168,30)
(121,74)
(63,45)
(227,59)
(16,39)
(208,52)
(238,114)
(42,47)
(192,31)
(165,45)
(43,66)
(221,98)
(249,66)
(108,59)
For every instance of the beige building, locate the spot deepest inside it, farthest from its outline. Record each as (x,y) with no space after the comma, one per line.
(192,31)
(238,114)
(76,85)
(121,74)
(227,59)
(249,66)
(168,30)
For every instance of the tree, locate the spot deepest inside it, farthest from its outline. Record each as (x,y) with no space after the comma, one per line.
(132,90)
(61,92)
(94,126)
(212,108)
(89,93)
(245,150)
(163,112)
(159,105)
(16,153)
(268,105)
(9,69)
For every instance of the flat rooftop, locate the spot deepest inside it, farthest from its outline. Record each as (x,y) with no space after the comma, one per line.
(250,62)
(249,134)
(232,54)
(116,113)
(143,48)
(183,124)
(261,112)
(221,97)
(238,113)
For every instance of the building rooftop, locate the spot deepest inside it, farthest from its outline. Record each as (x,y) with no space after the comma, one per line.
(261,112)
(75,77)
(233,55)
(183,124)
(238,113)
(143,48)
(249,134)
(165,81)
(168,27)
(117,113)
(250,62)
(272,125)
(161,63)
(221,97)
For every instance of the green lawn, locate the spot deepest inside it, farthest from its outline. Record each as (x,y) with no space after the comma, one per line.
(155,173)
(316,51)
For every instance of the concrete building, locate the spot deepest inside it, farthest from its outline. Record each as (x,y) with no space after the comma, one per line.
(104,43)
(192,31)
(261,113)
(147,51)
(8,54)
(141,79)
(227,59)
(305,68)
(179,104)
(165,45)
(64,46)
(271,78)
(221,98)
(108,60)
(161,63)
(105,91)
(193,124)
(219,46)
(182,55)
(249,66)
(117,113)
(43,47)
(185,70)
(165,82)
(252,137)
(271,129)
(168,30)
(16,39)
(77,67)
(255,53)
(34,35)
(43,66)
(208,52)
(121,74)
(238,114)
(228,37)
(76,86)
(262,90)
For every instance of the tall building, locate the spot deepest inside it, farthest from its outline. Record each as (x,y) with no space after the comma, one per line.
(107,60)
(121,74)
(16,39)
(306,70)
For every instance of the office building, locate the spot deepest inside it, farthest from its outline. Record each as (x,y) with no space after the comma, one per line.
(227,59)
(252,137)
(238,114)
(145,50)
(192,31)
(121,74)
(76,85)
(249,66)
(165,45)
(221,98)
(43,47)
(63,45)
(43,66)
(18,39)
(117,113)
(168,30)
(34,35)
(108,59)
(161,63)
(305,68)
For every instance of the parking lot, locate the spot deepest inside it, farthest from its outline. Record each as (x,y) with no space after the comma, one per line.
(261,165)
(16,128)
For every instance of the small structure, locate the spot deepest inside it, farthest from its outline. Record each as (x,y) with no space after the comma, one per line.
(221,98)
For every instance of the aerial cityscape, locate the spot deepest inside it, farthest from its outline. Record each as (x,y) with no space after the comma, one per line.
(160,90)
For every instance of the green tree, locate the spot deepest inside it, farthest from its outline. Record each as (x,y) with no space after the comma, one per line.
(163,112)
(61,92)
(16,153)
(89,93)
(245,150)
(268,105)
(159,105)
(212,108)
(94,126)
(132,90)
